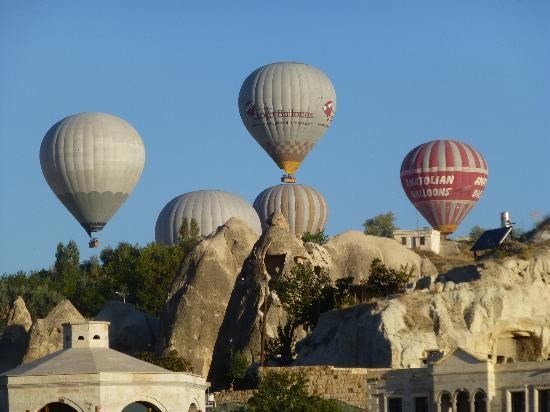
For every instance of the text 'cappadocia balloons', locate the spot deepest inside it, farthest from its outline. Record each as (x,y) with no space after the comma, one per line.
(304,208)
(287,108)
(444,179)
(92,162)
(209,208)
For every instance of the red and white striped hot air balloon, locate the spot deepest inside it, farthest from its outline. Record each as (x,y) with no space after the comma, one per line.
(444,179)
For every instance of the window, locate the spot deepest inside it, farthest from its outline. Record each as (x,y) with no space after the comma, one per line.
(544,400)
(395,405)
(81,338)
(403,240)
(96,337)
(518,401)
(422,240)
(421,404)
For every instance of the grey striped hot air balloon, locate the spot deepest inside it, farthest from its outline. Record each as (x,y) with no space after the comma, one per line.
(304,208)
(92,161)
(209,208)
(287,108)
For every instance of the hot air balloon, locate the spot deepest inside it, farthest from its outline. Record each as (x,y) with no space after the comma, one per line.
(209,208)
(304,208)
(444,179)
(287,108)
(92,161)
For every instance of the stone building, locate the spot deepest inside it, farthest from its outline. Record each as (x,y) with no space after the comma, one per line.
(461,382)
(423,239)
(88,376)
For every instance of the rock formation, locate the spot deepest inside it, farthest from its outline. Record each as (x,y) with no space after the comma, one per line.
(130,331)
(352,252)
(497,309)
(46,335)
(197,303)
(15,337)
(219,296)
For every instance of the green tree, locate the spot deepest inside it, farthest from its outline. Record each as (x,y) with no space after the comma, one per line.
(381,225)
(476,232)
(300,292)
(156,268)
(237,367)
(320,237)
(281,347)
(171,361)
(385,281)
(287,391)
(189,235)
(67,268)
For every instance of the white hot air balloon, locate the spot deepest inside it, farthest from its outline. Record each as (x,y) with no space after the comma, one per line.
(304,208)
(287,108)
(209,208)
(92,162)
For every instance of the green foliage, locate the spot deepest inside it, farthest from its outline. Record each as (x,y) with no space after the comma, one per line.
(320,237)
(476,232)
(237,367)
(189,235)
(172,361)
(384,281)
(287,391)
(381,225)
(146,273)
(281,347)
(300,292)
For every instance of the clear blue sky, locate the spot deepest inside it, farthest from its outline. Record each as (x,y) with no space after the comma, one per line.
(405,72)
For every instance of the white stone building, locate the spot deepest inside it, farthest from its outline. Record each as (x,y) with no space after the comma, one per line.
(423,239)
(462,382)
(88,376)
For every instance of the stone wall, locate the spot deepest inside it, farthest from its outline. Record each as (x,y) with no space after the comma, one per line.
(348,385)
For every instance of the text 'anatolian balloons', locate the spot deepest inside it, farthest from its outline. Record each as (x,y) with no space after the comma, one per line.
(444,179)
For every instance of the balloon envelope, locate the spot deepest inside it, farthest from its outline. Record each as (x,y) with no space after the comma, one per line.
(287,108)
(304,208)
(209,208)
(444,179)
(92,161)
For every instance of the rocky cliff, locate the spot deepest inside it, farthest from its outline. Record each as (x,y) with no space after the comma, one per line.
(219,296)
(497,308)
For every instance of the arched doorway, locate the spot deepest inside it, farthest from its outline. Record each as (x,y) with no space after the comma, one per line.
(193,408)
(445,403)
(57,407)
(462,401)
(141,406)
(480,401)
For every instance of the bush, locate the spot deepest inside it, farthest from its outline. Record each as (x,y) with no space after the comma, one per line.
(287,391)
(172,361)
(320,237)
(237,367)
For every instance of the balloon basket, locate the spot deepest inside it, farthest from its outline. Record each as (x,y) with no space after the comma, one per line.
(288,179)
(93,243)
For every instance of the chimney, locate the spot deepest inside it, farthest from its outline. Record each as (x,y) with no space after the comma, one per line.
(87,334)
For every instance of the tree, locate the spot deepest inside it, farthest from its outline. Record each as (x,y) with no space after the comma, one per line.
(171,361)
(320,237)
(287,391)
(237,367)
(476,232)
(67,268)
(381,225)
(281,347)
(385,281)
(189,235)
(300,291)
